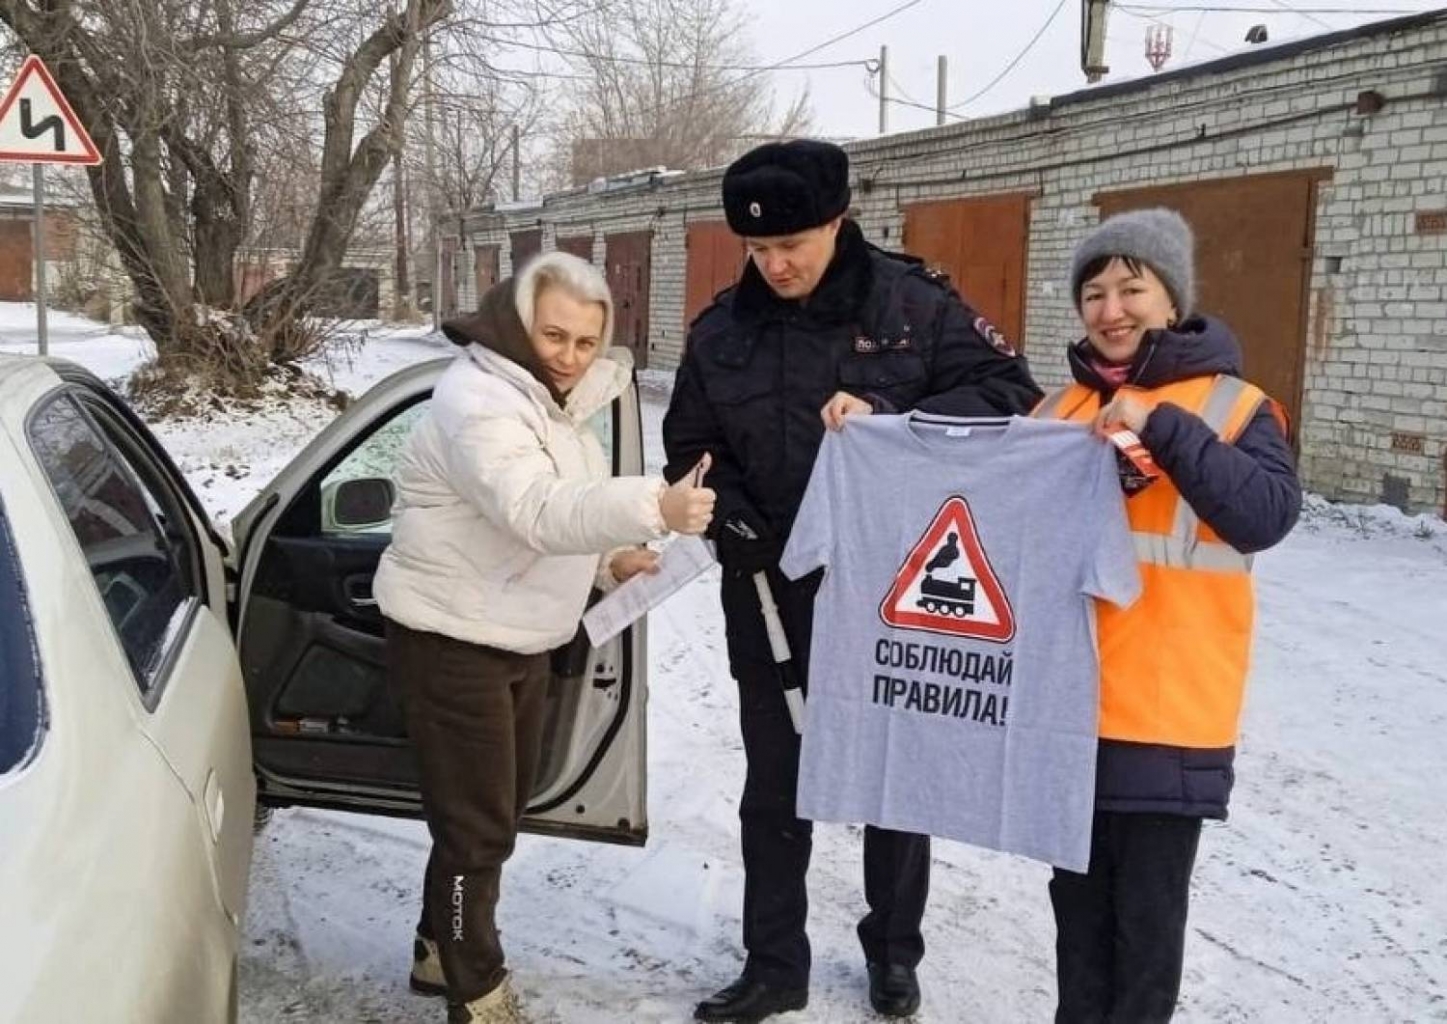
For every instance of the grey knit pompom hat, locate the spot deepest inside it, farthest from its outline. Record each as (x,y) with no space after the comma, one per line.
(1159,238)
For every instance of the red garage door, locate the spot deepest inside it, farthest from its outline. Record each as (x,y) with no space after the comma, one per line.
(484,268)
(16,257)
(1254,238)
(715,258)
(525,245)
(629,260)
(981,243)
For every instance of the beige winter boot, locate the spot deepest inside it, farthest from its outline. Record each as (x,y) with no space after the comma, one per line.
(427,978)
(500,1006)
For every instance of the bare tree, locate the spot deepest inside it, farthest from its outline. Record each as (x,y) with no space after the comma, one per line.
(179,95)
(665,82)
(480,112)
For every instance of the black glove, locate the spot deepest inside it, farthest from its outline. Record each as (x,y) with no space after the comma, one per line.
(745,544)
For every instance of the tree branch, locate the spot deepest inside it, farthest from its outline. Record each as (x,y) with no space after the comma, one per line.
(229,39)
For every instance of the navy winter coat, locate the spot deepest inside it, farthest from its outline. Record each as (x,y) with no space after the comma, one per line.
(1247,492)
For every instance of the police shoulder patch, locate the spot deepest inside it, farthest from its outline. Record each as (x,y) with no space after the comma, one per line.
(992,334)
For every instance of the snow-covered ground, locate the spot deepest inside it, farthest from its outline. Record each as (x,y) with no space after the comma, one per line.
(1321,899)
(229,455)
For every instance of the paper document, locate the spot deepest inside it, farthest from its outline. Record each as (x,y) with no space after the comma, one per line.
(680,562)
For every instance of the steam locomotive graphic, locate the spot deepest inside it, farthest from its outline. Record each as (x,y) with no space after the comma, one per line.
(945,596)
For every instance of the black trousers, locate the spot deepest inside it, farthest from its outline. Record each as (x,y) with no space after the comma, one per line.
(777,844)
(1121,927)
(475,716)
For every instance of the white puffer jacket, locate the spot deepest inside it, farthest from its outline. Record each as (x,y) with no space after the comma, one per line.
(505,505)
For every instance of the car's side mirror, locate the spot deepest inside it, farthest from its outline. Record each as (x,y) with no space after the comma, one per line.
(363,503)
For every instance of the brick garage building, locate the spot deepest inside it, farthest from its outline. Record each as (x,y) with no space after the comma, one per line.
(17,242)
(1315,174)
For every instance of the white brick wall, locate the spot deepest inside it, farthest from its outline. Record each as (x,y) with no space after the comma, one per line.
(1376,347)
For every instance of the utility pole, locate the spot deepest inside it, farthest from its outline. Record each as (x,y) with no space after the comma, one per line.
(884,90)
(41,301)
(401,238)
(434,212)
(402,287)
(1092,39)
(516,166)
(942,89)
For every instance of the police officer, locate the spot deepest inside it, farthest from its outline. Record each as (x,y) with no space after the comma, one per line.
(820,326)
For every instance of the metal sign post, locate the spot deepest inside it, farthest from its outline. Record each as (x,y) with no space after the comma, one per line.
(42,326)
(38,127)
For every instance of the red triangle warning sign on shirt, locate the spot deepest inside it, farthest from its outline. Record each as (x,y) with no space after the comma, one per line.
(947,585)
(37,125)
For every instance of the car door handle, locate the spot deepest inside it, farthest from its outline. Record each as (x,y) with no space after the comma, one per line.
(359,591)
(215,801)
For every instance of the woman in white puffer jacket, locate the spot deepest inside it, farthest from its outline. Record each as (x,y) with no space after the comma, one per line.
(504,515)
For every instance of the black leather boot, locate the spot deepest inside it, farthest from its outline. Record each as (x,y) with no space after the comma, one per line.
(893,990)
(747,1001)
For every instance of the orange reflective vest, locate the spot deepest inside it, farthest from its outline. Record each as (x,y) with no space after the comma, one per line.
(1173,665)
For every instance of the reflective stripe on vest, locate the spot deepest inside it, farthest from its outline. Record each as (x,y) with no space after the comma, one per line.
(1173,665)
(1182,548)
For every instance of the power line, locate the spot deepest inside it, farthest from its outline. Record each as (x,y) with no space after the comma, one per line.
(901,90)
(782,65)
(687,65)
(1196,36)
(1152,9)
(1309,17)
(906,101)
(845,35)
(1174,112)
(1017,59)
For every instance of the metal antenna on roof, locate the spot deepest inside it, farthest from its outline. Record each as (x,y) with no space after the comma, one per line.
(1158,44)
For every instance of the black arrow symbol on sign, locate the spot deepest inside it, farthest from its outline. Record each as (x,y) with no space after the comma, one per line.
(53,123)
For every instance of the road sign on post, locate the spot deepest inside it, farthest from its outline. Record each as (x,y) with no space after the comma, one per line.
(38,127)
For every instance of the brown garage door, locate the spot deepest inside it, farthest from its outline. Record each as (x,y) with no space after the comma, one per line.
(715,258)
(579,245)
(16,258)
(1253,264)
(628,266)
(484,268)
(981,244)
(525,245)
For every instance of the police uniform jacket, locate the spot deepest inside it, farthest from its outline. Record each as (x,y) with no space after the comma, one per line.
(758,369)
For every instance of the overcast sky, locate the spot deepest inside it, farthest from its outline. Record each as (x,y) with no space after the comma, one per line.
(980,38)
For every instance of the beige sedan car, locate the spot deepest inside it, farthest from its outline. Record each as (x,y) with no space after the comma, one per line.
(154,684)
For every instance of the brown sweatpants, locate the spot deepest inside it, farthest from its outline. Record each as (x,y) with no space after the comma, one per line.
(475,716)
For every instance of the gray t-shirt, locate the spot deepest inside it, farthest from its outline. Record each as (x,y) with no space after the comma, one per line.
(953,685)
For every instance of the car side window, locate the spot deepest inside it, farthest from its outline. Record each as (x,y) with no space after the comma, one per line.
(22,701)
(357,495)
(601,424)
(130,526)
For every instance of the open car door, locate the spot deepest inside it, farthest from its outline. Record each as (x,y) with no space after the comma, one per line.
(325,729)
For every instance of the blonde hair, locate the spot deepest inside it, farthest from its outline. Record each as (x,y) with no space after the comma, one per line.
(576,276)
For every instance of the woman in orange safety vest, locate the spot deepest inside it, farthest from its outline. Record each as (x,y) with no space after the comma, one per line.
(1173,665)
